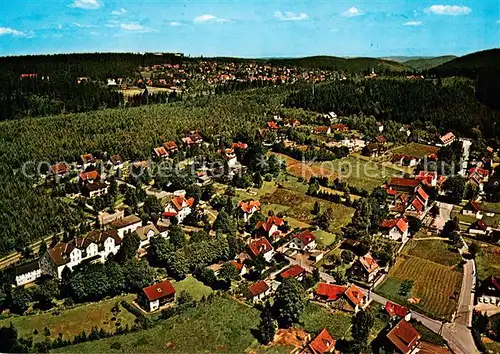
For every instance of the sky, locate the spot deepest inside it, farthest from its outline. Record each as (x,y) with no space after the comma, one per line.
(250,28)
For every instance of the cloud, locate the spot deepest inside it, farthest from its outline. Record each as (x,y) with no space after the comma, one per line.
(120,12)
(413,23)
(353,11)
(6,31)
(498,21)
(86,4)
(452,10)
(79,25)
(208,19)
(290,16)
(135,27)
(174,24)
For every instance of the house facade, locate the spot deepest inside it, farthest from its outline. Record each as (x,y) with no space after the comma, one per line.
(28,273)
(126,225)
(304,241)
(180,207)
(154,296)
(258,291)
(395,229)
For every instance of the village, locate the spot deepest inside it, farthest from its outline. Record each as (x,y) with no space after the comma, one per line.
(382,242)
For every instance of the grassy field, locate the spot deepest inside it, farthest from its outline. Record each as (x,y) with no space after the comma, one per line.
(433,250)
(305,170)
(315,318)
(324,238)
(434,284)
(358,172)
(222,326)
(193,286)
(490,207)
(73,321)
(415,149)
(301,205)
(487,259)
(136,91)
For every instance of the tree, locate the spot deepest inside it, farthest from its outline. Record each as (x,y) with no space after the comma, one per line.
(340,277)
(324,219)
(129,246)
(9,342)
(257,180)
(450,227)
(347,256)
(43,248)
(362,324)
(405,287)
(20,300)
(289,302)
(152,205)
(199,236)
(455,185)
(184,297)
(414,225)
(177,236)
(228,272)
(316,208)
(46,292)
(267,327)
(138,275)
(224,223)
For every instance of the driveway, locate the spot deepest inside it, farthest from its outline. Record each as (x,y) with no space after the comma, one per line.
(444,215)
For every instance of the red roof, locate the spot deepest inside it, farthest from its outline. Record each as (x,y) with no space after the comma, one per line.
(332,292)
(169,214)
(88,158)
(404,336)
(400,223)
(321,129)
(170,145)
(59,168)
(258,288)
(395,309)
(292,272)
(237,265)
(160,151)
(448,137)
(272,125)
(340,127)
(381,139)
(260,246)
(417,204)
(473,205)
(481,171)
(159,290)
(421,193)
(272,220)
(354,294)
(369,262)
(306,237)
(180,202)
(239,145)
(323,343)
(91,175)
(404,182)
(247,207)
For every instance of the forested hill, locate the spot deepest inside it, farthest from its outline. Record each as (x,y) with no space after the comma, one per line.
(95,65)
(358,65)
(428,63)
(471,65)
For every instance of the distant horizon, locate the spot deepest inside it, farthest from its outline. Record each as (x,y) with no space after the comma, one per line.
(250,29)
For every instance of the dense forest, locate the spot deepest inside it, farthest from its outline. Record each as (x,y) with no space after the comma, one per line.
(450,105)
(470,65)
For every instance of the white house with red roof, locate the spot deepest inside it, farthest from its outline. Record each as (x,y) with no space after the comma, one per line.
(156,295)
(447,139)
(249,208)
(304,241)
(59,169)
(418,202)
(322,343)
(366,268)
(258,291)
(404,338)
(472,208)
(261,246)
(89,176)
(395,229)
(330,293)
(180,207)
(294,271)
(270,228)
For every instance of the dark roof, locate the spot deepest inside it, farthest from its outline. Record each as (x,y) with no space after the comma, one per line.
(404,182)
(159,290)
(116,159)
(126,221)
(28,267)
(94,186)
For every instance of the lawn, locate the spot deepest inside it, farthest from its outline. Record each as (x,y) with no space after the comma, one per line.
(193,286)
(381,319)
(221,326)
(490,207)
(324,238)
(415,149)
(305,170)
(433,250)
(301,205)
(73,321)
(436,285)
(487,259)
(315,318)
(358,172)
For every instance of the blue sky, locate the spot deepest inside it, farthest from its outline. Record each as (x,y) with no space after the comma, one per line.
(250,28)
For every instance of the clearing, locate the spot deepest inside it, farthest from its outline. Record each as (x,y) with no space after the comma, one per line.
(73,321)
(221,326)
(433,250)
(416,150)
(193,286)
(436,285)
(305,170)
(315,318)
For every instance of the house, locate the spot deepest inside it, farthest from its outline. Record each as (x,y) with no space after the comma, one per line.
(239,145)
(490,291)
(87,160)
(405,129)
(428,178)
(156,295)
(381,140)
(249,208)
(340,128)
(396,310)
(404,338)
(95,246)
(59,169)
(192,138)
(171,147)
(111,82)
(294,271)
(353,297)
(405,160)
(304,241)
(261,246)
(89,177)
(91,190)
(380,127)
(329,292)
(373,150)
(356,298)
(272,125)
(116,161)
(179,207)
(202,178)
(447,139)
(160,152)
(322,129)
(418,203)
(145,234)
(258,291)
(365,268)
(479,228)
(240,266)
(395,229)
(108,217)
(472,208)
(322,343)
(293,123)
(269,228)
(400,184)
(126,225)
(28,273)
